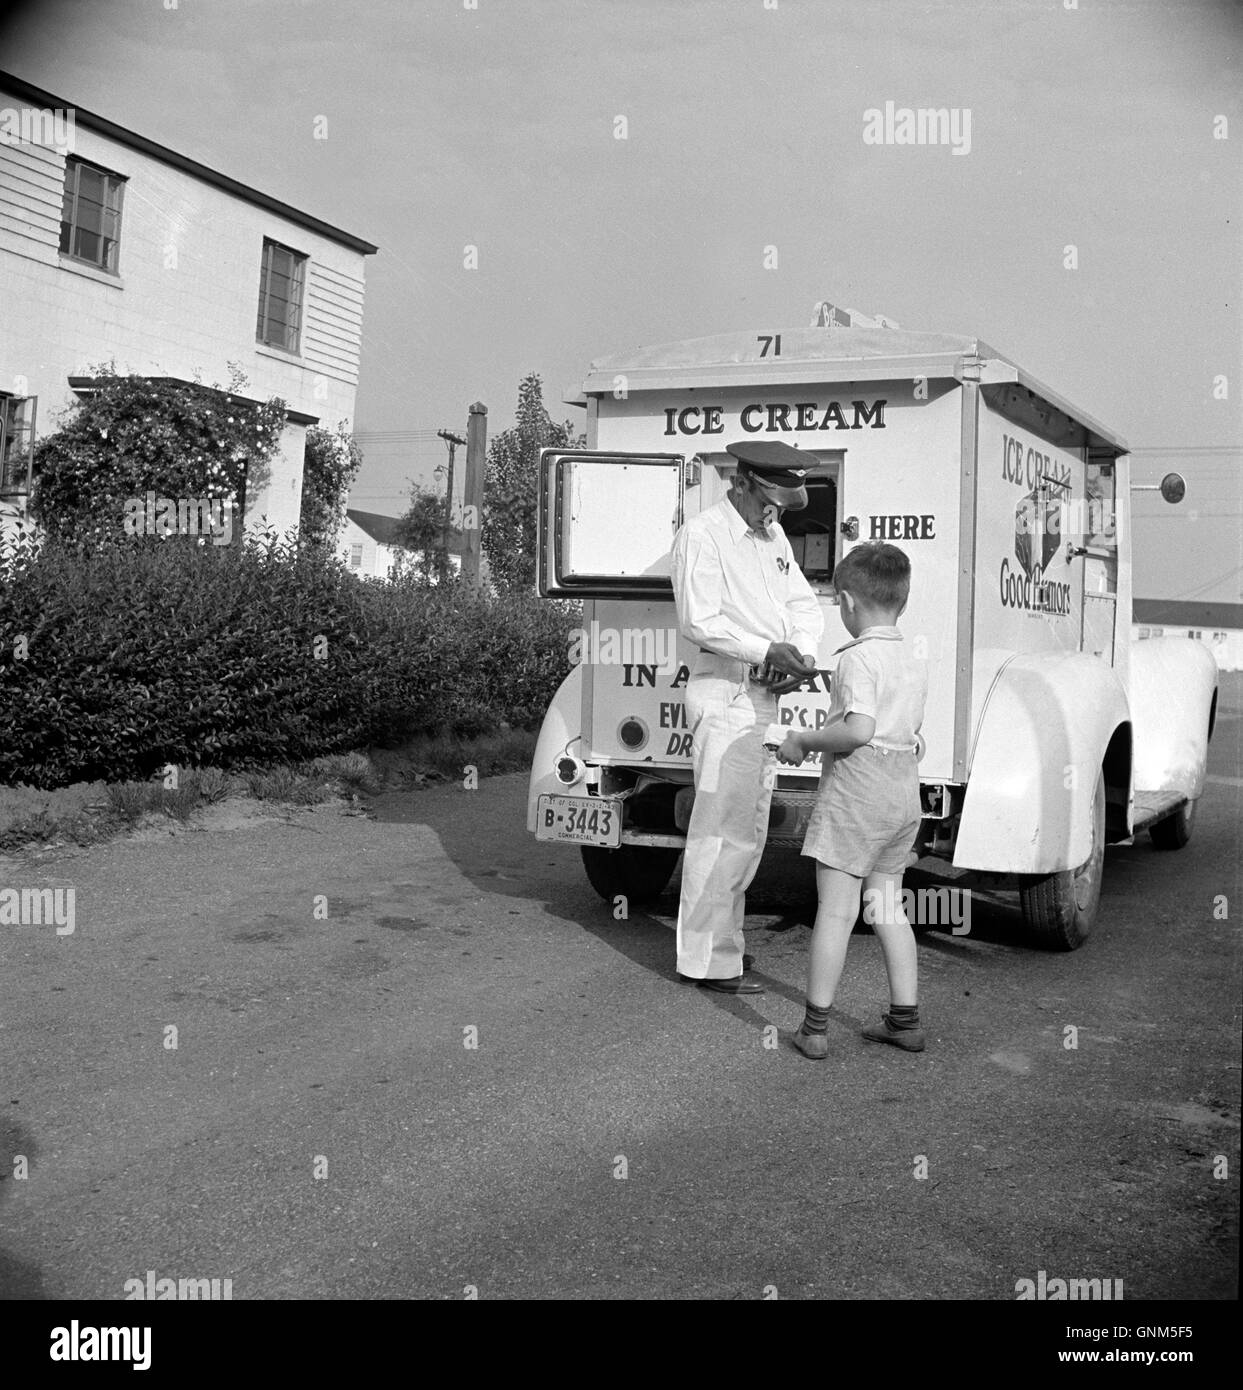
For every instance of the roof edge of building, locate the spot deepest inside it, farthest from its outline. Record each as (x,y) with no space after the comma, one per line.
(27,91)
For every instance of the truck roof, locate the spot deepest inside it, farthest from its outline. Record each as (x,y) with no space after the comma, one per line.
(824,355)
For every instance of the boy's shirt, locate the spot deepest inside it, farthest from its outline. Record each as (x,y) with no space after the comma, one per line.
(876,677)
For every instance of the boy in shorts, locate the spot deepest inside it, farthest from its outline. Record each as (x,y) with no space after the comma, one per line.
(867,812)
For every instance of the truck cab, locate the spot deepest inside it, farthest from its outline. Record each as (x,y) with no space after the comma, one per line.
(1046,734)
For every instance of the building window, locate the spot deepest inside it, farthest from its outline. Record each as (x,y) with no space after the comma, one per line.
(17,440)
(356,557)
(90,217)
(280,297)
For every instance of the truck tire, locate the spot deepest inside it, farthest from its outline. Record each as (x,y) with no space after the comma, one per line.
(1174,831)
(1059,909)
(639,873)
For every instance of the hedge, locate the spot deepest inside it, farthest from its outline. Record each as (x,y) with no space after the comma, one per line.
(117,661)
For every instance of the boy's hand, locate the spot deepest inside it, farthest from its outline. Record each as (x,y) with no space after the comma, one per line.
(791,751)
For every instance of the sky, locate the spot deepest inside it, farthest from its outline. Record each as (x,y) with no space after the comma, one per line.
(1095,124)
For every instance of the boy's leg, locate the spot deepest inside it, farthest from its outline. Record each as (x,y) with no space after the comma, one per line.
(835,920)
(900,1026)
(897,940)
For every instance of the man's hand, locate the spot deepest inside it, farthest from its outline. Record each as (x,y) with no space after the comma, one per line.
(784,657)
(796,667)
(791,751)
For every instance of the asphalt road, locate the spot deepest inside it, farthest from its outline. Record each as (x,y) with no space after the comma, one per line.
(321,1129)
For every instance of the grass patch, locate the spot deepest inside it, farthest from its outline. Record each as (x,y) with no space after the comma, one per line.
(89,812)
(445,757)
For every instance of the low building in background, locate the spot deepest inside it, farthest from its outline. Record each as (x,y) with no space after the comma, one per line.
(117,250)
(369,546)
(1218,625)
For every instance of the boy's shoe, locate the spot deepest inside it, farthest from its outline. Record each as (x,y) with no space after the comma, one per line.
(908,1039)
(813,1045)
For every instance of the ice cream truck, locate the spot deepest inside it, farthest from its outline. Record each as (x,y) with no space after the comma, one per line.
(1048,733)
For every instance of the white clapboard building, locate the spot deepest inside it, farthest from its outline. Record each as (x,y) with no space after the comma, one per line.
(1218,625)
(116,249)
(367,542)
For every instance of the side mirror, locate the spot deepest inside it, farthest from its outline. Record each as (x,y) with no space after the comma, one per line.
(1173,487)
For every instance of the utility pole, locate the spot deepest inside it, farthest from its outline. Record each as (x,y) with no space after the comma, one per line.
(472,498)
(450,439)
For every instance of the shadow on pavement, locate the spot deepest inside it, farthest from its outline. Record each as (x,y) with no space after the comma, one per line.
(18,1278)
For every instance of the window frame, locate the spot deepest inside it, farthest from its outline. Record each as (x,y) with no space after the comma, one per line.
(300,260)
(113,182)
(9,408)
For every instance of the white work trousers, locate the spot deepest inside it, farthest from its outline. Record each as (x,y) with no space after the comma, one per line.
(734,776)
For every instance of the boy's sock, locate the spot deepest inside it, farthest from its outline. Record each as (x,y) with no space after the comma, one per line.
(816,1020)
(904,1016)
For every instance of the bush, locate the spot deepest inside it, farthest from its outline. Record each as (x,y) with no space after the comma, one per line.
(135,435)
(118,660)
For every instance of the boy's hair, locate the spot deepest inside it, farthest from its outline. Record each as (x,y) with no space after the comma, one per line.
(878,573)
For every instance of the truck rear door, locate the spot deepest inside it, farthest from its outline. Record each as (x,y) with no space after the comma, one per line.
(606,523)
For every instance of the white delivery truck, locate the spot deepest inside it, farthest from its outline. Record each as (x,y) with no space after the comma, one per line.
(1048,733)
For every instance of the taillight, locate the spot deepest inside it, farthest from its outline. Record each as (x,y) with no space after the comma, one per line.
(569,770)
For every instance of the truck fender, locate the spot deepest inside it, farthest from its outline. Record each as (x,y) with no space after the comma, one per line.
(1039,745)
(1173,689)
(562,725)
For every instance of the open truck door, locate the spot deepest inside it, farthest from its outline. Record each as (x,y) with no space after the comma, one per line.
(605,528)
(606,523)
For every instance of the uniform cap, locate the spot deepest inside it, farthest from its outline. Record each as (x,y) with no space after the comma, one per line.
(779,468)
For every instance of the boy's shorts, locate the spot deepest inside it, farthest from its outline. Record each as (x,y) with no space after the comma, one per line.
(867,813)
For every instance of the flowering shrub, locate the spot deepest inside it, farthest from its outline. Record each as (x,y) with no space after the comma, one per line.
(330,465)
(132,435)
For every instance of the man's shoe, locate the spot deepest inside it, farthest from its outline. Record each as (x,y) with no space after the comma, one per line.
(908,1039)
(740,985)
(747,963)
(813,1045)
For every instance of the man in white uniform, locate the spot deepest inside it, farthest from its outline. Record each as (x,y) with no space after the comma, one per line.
(743,601)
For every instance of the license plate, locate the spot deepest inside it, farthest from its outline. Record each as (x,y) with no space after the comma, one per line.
(579,820)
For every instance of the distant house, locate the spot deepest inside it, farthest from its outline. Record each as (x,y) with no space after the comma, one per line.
(1218,625)
(114,248)
(368,543)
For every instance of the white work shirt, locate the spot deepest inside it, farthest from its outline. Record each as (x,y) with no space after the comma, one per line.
(738,590)
(876,676)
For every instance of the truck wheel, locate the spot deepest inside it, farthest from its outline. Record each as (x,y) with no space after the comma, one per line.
(638,873)
(1059,909)
(1174,831)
